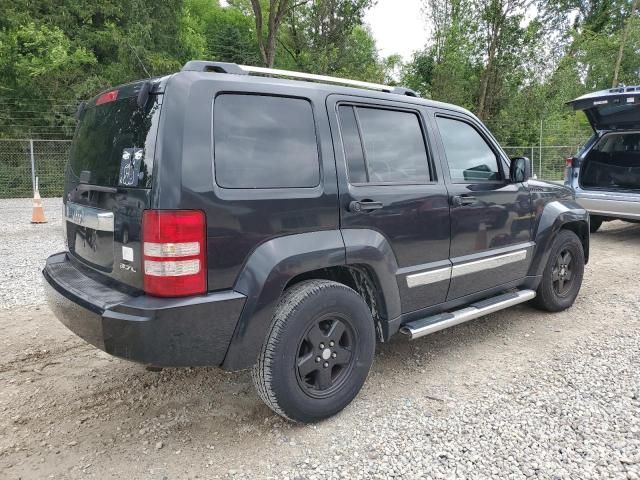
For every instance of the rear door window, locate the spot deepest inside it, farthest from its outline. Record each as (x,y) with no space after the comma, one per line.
(383,146)
(264,141)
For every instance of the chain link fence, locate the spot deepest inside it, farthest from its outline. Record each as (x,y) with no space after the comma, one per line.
(548,162)
(17,177)
(50,156)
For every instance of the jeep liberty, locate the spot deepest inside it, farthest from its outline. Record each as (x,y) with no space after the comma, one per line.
(243,217)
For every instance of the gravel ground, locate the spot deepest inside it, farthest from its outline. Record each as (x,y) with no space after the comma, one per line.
(517,394)
(24,248)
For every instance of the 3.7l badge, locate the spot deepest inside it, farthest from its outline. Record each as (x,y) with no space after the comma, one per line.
(128,268)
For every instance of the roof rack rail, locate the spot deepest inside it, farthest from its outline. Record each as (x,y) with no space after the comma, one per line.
(233,68)
(624,89)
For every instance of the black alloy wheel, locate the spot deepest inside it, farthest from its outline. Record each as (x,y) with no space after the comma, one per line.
(325,356)
(562,273)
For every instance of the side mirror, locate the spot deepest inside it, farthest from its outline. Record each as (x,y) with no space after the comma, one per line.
(520,170)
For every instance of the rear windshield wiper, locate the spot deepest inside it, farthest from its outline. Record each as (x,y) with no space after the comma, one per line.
(84,187)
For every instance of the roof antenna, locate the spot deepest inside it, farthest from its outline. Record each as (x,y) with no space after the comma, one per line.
(138,57)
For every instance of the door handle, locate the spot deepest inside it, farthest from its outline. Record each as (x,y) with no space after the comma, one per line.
(364,206)
(463,200)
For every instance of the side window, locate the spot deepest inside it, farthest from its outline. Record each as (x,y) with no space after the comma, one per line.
(469,156)
(264,142)
(383,146)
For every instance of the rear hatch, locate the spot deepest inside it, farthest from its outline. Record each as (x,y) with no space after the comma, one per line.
(108,180)
(614,109)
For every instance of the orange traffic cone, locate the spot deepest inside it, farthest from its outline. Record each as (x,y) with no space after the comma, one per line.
(37,216)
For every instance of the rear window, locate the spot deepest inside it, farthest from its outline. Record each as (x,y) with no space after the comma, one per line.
(264,142)
(114,144)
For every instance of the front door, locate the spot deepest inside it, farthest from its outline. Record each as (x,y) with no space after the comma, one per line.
(490,216)
(389,185)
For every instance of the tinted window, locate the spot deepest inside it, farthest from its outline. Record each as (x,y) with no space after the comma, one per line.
(352,146)
(392,147)
(264,142)
(113,137)
(469,157)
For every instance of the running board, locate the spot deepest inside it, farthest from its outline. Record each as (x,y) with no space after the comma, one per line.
(425,326)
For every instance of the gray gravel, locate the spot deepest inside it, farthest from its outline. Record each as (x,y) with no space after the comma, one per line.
(515,395)
(575,416)
(24,247)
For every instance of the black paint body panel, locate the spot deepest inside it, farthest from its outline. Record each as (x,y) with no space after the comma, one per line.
(260,240)
(164,332)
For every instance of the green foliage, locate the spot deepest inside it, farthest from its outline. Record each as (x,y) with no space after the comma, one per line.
(516,68)
(321,37)
(208,31)
(54,53)
(511,64)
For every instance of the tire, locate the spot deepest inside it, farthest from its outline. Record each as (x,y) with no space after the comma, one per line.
(560,285)
(289,377)
(595,222)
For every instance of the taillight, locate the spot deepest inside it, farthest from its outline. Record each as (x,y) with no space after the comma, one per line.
(569,162)
(174,250)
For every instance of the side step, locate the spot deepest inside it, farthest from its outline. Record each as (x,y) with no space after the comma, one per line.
(435,323)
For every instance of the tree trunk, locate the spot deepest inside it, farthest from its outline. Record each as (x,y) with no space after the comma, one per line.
(277,11)
(488,72)
(623,41)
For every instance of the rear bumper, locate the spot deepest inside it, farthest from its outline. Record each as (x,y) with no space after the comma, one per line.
(193,331)
(613,205)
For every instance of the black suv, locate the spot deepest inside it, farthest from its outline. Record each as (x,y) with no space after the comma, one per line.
(218,216)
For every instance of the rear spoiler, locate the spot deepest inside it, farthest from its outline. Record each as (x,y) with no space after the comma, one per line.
(142,89)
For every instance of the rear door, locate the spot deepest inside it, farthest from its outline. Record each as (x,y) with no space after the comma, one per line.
(490,216)
(615,109)
(108,182)
(388,183)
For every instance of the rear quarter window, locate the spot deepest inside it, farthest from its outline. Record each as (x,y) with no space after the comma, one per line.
(264,142)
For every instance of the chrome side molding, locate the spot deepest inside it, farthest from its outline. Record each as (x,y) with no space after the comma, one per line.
(426,326)
(488,263)
(426,278)
(89,217)
(441,274)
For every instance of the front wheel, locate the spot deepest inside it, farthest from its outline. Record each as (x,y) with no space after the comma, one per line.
(318,351)
(562,276)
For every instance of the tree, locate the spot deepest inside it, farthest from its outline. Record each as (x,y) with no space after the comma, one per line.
(623,43)
(318,34)
(499,31)
(209,31)
(276,10)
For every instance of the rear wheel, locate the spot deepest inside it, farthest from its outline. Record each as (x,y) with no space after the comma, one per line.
(318,352)
(562,276)
(595,222)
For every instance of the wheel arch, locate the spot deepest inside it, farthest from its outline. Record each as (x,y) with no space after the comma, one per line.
(556,216)
(364,261)
(364,281)
(581,229)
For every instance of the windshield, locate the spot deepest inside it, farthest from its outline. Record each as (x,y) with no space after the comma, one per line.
(114,144)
